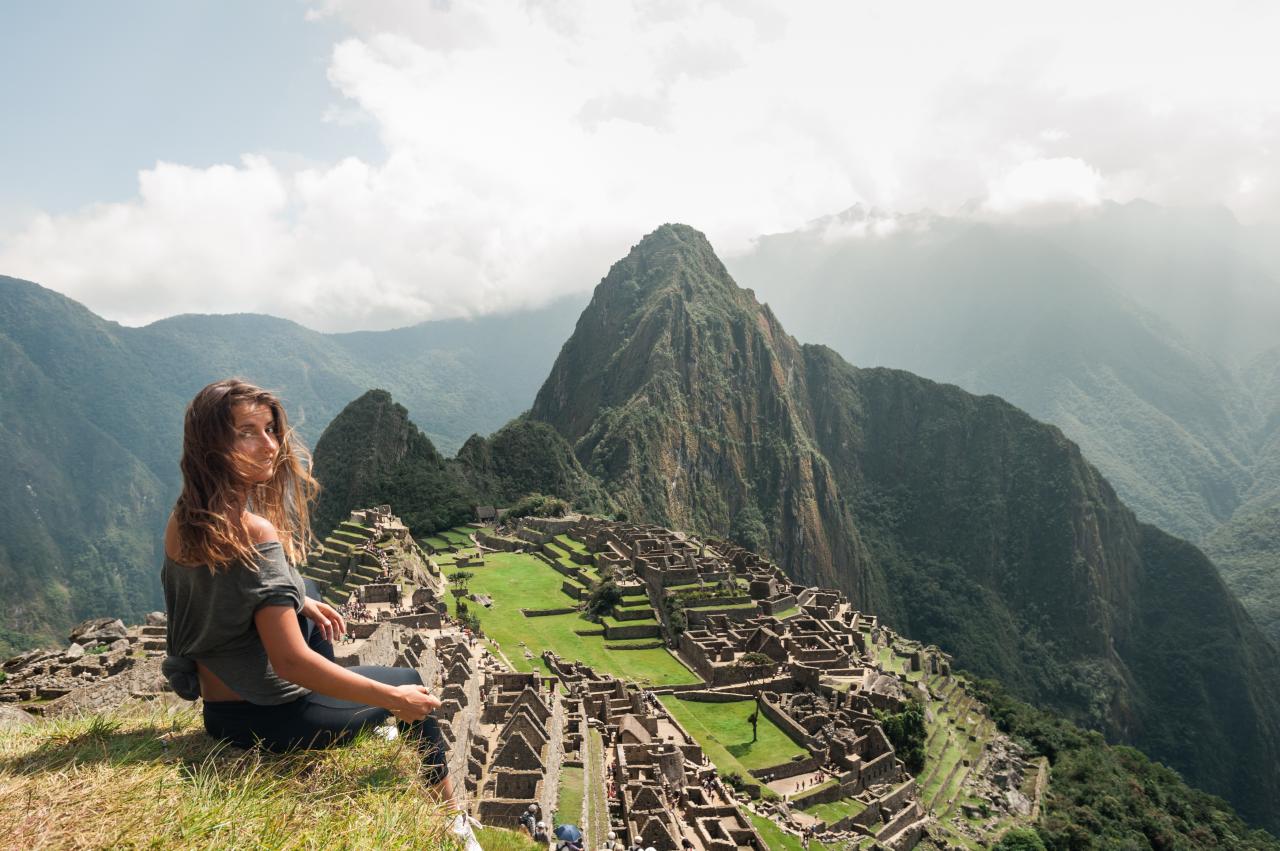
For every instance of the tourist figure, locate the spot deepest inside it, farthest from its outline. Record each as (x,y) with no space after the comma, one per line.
(243,633)
(540,833)
(529,819)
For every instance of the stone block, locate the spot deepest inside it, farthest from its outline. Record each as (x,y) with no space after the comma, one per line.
(99,631)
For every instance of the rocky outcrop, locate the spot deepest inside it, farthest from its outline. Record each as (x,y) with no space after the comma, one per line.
(105,664)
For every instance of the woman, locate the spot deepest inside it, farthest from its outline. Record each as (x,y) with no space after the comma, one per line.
(242,633)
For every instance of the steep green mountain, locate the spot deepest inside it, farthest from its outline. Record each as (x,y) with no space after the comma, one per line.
(91,426)
(1247,546)
(372,454)
(1136,330)
(962,519)
(526,457)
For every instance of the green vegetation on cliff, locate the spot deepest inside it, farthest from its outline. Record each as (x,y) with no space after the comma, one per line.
(525,457)
(372,455)
(959,519)
(1103,796)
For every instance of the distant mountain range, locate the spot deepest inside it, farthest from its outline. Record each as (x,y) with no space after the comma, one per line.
(1149,335)
(91,426)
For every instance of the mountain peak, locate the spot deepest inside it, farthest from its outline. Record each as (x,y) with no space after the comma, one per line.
(674,259)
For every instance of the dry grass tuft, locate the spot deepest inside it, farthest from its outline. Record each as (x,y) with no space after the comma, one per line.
(149,777)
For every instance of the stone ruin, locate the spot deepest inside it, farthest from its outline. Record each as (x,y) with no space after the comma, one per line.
(515,754)
(104,664)
(368,552)
(661,789)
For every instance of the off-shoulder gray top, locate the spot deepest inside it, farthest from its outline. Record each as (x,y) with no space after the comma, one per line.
(211,622)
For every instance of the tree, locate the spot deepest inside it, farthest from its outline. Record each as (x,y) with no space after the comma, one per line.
(907,733)
(748,529)
(602,600)
(1020,839)
(460,581)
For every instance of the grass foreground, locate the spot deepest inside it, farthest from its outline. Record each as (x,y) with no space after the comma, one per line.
(148,776)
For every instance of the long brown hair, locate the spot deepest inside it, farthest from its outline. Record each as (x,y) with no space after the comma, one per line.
(210,530)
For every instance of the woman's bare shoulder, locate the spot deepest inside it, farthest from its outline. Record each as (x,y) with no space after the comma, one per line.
(171,544)
(260,529)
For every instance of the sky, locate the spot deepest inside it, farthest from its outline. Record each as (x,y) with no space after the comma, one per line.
(365,165)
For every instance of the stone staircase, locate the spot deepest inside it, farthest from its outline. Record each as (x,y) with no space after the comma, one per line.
(341,563)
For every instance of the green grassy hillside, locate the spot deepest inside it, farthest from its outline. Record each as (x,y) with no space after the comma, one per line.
(147,777)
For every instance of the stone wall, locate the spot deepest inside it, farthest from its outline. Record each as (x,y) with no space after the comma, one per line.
(788,769)
(793,730)
(617,633)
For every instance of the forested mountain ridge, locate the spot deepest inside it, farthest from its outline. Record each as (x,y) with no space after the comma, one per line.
(960,518)
(1147,334)
(91,426)
(373,454)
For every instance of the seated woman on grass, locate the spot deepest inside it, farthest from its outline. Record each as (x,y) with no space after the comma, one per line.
(243,632)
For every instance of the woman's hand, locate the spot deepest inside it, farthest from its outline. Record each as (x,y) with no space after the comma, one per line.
(326,619)
(412,702)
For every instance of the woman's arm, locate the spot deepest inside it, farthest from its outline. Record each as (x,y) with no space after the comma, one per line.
(293,660)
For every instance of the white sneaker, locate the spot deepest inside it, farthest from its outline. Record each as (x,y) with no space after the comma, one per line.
(462,828)
(390,732)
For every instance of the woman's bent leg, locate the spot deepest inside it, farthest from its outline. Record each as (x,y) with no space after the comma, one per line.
(319,721)
(345,718)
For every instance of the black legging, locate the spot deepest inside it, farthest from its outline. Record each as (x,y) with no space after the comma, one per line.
(319,721)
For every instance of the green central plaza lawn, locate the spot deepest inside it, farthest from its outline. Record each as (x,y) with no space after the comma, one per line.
(518,581)
(777,838)
(725,735)
(835,810)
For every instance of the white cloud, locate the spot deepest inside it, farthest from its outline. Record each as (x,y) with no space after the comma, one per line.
(1060,181)
(530,143)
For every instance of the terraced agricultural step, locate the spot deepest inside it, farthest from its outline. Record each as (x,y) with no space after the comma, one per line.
(365,573)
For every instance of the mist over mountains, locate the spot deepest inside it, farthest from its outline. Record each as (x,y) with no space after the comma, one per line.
(1149,335)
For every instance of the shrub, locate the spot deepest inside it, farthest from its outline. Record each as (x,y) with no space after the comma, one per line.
(1020,839)
(602,600)
(537,505)
(907,732)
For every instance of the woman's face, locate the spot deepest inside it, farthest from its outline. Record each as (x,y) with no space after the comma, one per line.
(255,444)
